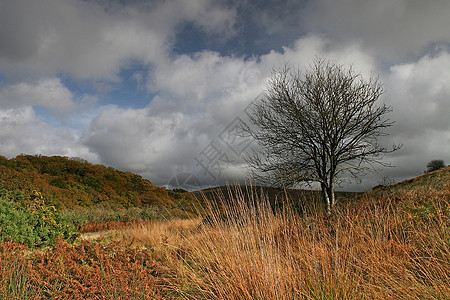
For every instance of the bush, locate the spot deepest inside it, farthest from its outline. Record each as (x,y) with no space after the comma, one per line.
(33,223)
(435,165)
(15,223)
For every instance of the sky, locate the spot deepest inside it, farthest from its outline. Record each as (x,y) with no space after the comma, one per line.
(158,87)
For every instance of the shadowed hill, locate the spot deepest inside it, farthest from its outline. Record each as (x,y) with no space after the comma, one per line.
(438,181)
(275,196)
(74,182)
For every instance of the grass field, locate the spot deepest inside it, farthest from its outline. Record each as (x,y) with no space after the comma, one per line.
(389,244)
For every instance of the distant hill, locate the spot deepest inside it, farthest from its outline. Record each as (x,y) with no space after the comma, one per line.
(434,181)
(275,196)
(74,182)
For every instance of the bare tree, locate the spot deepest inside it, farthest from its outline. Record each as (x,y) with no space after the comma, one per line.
(316,126)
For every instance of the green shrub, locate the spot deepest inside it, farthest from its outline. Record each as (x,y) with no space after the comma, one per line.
(32,222)
(58,182)
(15,223)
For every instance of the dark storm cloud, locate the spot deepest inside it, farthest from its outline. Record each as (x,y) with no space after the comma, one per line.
(94,40)
(391,30)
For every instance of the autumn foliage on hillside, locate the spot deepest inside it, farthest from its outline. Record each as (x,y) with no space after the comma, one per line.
(73,182)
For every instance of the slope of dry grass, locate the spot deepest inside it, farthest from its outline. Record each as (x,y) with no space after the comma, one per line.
(381,248)
(388,245)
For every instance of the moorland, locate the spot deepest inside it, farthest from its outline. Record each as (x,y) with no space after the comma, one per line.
(236,242)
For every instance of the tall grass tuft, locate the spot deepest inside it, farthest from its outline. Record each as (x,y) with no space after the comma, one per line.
(382,247)
(14,273)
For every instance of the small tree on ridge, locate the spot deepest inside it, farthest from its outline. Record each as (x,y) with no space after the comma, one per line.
(435,164)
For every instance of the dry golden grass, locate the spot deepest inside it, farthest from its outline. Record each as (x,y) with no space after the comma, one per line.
(387,245)
(383,247)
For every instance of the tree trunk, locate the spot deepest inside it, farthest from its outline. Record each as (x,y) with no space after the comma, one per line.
(331,192)
(328,195)
(326,198)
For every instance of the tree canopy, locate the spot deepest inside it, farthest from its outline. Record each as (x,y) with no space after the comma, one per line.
(435,164)
(316,126)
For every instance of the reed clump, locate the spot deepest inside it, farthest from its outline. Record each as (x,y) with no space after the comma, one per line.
(390,246)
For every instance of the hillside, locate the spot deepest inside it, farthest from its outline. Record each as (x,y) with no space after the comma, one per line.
(297,198)
(75,183)
(437,181)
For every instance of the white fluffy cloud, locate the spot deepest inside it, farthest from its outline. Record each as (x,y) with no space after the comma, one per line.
(207,81)
(49,93)
(419,93)
(23,132)
(137,140)
(422,90)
